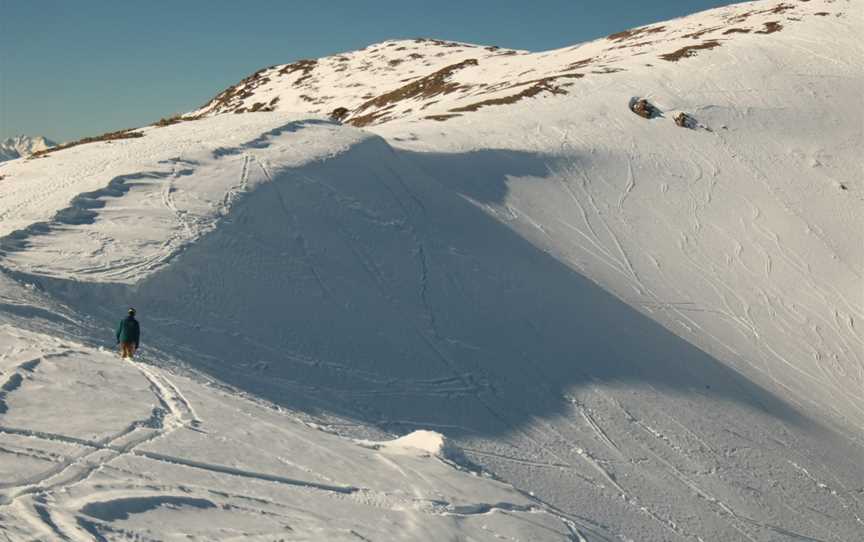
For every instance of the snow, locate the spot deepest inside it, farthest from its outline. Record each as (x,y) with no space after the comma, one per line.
(22,146)
(129,452)
(543,320)
(417,442)
(182,180)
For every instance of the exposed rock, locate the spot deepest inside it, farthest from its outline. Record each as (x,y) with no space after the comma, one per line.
(685,121)
(690,50)
(339,114)
(644,108)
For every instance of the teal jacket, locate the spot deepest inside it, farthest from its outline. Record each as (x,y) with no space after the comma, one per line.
(129,331)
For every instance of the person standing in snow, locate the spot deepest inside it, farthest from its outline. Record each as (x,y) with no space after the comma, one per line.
(128,335)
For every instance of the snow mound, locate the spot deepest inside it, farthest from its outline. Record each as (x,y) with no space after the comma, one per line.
(421,442)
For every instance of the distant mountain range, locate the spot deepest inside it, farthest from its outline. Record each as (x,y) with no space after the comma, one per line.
(18,146)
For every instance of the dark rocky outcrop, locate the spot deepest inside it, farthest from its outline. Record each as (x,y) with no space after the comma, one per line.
(339,114)
(644,108)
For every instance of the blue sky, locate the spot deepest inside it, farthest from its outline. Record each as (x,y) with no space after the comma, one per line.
(70,69)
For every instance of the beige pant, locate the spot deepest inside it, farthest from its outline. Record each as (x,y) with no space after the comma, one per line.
(127,350)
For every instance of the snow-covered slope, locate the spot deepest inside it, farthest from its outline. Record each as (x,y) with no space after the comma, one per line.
(18,146)
(98,449)
(422,79)
(652,329)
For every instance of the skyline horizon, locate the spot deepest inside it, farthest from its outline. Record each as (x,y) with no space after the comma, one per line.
(155,70)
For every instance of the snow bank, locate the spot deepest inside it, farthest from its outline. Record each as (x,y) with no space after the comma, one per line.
(421,442)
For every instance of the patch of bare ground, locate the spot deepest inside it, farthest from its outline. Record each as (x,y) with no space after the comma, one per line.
(175,119)
(128,133)
(537,86)
(770,28)
(634,45)
(822,13)
(259,106)
(780,8)
(607,69)
(442,117)
(699,33)
(366,120)
(740,18)
(737,31)
(395,62)
(689,51)
(580,63)
(441,43)
(434,84)
(231,96)
(635,32)
(549,79)
(305,67)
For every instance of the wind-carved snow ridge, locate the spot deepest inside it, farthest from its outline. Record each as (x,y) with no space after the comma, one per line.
(550,317)
(176,218)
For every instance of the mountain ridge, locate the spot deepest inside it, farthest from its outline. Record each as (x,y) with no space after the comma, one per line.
(23,146)
(447,79)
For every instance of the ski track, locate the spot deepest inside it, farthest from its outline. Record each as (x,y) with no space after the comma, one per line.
(734,307)
(364,495)
(28,497)
(173,413)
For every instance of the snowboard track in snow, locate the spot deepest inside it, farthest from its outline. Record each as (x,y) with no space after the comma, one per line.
(432,286)
(173,413)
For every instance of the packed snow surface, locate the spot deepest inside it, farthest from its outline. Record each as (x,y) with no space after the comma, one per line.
(543,317)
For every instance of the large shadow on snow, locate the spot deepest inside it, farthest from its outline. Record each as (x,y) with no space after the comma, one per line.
(368,286)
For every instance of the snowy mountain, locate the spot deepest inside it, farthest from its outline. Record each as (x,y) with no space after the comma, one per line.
(438,291)
(18,146)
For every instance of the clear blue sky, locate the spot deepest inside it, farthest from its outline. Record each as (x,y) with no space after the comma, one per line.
(75,68)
